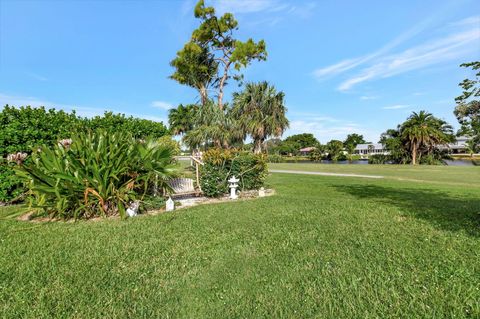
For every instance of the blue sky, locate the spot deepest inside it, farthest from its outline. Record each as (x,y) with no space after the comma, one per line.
(345,66)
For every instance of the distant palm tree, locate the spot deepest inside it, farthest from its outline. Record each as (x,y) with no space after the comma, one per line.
(471,147)
(424,131)
(260,111)
(334,149)
(371,148)
(181,119)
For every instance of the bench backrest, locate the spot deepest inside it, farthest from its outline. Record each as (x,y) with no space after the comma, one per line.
(182,185)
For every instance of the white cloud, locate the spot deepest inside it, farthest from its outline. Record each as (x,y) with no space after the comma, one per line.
(271,10)
(395,107)
(368,97)
(469,21)
(348,64)
(459,41)
(436,51)
(337,68)
(162,105)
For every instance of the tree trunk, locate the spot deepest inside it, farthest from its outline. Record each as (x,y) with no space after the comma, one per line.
(203,95)
(220,98)
(414,154)
(222,84)
(257,146)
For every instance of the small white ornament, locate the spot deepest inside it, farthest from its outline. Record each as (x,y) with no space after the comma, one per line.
(261,192)
(169,205)
(233,187)
(132,211)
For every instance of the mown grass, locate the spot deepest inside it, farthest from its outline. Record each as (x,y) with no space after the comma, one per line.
(325,247)
(459,175)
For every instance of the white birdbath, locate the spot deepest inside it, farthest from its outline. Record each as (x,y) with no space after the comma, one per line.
(233,187)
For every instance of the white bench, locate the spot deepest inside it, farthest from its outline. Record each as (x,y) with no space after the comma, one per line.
(183,186)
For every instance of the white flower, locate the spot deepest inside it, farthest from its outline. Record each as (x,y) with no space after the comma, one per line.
(17,157)
(66,142)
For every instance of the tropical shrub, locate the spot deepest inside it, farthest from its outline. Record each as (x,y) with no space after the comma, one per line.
(436,157)
(334,149)
(25,128)
(168,142)
(316,155)
(353,157)
(341,157)
(295,159)
(95,174)
(220,165)
(379,159)
(275,158)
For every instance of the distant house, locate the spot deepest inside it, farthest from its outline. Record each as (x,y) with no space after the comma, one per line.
(306,151)
(457,147)
(370,149)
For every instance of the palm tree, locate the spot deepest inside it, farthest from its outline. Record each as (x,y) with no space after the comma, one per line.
(214,126)
(370,148)
(260,111)
(471,147)
(423,131)
(334,149)
(181,119)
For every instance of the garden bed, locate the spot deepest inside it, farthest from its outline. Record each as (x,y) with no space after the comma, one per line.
(179,204)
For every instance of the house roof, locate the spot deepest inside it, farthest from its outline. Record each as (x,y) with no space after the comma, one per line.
(376,146)
(307,149)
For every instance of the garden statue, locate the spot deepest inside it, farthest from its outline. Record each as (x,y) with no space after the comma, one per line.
(169,205)
(233,187)
(132,211)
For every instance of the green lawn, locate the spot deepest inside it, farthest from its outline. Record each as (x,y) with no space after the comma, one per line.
(325,247)
(447,175)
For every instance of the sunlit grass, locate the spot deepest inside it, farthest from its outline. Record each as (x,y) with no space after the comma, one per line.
(324,247)
(467,175)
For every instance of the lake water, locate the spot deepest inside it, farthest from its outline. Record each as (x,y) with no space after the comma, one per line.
(459,162)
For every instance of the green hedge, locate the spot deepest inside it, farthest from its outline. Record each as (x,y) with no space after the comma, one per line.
(220,165)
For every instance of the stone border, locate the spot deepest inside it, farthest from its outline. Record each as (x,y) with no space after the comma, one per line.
(185,203)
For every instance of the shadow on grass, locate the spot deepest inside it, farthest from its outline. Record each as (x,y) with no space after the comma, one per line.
(441,209)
